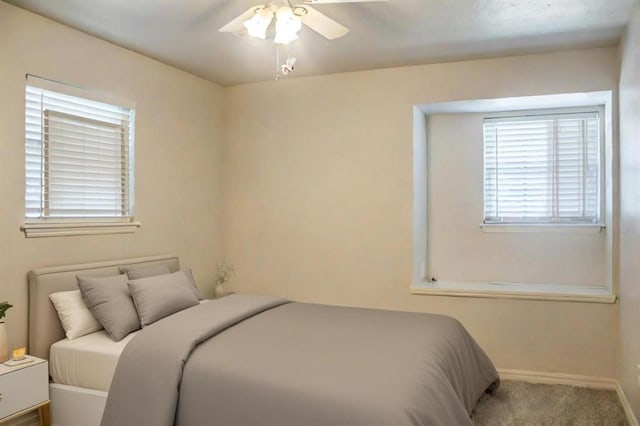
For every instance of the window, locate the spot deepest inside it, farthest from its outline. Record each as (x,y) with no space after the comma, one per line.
(543,169)
(572,248)
(79,162)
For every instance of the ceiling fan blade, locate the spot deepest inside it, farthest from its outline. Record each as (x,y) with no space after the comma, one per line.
(237,25)
(338,1)
(322,24)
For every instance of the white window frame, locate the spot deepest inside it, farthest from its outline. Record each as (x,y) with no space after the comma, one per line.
(555,226)
(94,222)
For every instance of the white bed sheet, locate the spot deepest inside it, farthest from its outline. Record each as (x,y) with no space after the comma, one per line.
(88,361)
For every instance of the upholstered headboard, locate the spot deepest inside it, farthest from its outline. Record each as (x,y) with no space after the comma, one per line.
(44,325)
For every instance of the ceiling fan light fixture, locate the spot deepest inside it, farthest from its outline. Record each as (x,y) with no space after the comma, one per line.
(287,26)
(257,25)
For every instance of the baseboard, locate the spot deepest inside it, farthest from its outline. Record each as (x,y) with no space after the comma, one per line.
(631,418)
(573,380)
(559,379)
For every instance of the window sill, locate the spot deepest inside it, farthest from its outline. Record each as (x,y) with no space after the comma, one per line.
(543,228)
(546,292)
(59,229)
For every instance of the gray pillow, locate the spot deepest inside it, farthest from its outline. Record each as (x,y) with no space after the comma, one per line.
(136,272)
(109,300)
(192,280)
(162,295)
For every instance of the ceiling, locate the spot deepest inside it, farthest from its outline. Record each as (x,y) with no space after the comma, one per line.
(184,33)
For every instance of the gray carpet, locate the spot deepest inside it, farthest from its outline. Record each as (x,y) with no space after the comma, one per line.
(520,403)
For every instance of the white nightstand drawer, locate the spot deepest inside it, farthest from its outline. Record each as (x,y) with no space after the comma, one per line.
(23,388)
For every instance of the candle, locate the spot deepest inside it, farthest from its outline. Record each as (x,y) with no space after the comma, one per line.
(18,353)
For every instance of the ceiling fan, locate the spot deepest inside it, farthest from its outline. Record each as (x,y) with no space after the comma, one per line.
(281,20)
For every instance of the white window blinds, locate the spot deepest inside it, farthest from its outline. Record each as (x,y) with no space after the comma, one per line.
(78,157)
(542,169)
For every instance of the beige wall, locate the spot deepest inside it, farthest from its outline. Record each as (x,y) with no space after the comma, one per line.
(630,212)
(317,184)
(460,251)
(318,198)
(178,130)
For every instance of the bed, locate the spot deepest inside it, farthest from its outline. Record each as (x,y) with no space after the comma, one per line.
(246,359)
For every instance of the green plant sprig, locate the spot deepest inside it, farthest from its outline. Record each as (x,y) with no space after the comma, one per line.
(4,306)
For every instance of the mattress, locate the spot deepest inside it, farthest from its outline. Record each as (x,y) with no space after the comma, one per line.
(88,361)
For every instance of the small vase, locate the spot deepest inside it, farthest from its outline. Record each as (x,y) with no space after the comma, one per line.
(4,342)
(220,291)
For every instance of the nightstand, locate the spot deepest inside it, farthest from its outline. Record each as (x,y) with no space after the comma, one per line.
(25,388)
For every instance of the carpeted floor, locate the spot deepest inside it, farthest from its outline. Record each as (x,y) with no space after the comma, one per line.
(521,403)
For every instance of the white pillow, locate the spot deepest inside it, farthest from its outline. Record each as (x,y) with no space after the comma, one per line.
(76,319)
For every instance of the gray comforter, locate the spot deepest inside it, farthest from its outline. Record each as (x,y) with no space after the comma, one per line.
(265,361)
